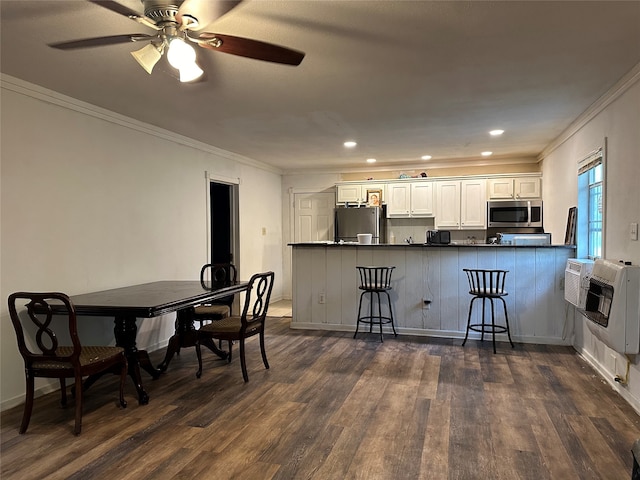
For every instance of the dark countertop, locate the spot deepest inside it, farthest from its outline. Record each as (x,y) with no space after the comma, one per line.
(412,245)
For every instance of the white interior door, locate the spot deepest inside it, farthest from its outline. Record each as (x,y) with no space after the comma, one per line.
(313,216)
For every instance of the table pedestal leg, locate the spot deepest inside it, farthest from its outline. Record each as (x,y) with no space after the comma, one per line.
(125,330)
(186,335)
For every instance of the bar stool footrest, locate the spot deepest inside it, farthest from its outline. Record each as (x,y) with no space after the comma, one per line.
(375,320)
(487,328)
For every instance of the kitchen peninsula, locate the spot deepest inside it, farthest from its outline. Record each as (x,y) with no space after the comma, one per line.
(430,290)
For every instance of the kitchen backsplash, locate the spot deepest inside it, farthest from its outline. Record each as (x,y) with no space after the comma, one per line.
(400,229)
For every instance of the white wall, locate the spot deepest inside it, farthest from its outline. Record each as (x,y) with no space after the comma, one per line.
(617,119)
(91,200)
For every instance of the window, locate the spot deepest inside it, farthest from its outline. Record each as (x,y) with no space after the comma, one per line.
(591,206)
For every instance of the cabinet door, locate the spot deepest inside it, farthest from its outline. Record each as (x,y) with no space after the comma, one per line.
(447,205)
(398,200)
(501,188)
(422,199)
(527,187)
(349,193)
(473,204)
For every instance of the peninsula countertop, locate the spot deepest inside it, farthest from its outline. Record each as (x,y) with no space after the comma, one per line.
(425,245)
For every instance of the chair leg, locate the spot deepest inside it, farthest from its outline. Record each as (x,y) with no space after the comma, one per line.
(506,320)
(79,395)
(230,347)
(262,349)
(63,392)
(483,318)
(466,335)
(493,325)
(379,314)
(28,403)
(393,327)
(358,317)
(243,362)
(123,379)
(199,355)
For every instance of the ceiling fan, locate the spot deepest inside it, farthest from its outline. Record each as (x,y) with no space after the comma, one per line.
(174,22)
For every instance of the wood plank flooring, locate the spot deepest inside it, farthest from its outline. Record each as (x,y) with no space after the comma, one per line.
(332,407)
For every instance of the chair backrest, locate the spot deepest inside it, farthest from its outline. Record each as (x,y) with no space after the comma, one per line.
(486,282)
(256,302)
(39,314)
(375,278)
(219,274)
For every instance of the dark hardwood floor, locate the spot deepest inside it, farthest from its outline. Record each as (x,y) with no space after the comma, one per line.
(332,407)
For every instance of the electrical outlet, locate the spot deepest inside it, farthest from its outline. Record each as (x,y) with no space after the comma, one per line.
(321,297)
(561,283)
(633,231)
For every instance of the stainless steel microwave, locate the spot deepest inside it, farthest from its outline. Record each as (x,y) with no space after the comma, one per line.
(518,213)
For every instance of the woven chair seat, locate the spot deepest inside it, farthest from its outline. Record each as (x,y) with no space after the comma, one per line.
(227,325)
(88,355)
(213,310)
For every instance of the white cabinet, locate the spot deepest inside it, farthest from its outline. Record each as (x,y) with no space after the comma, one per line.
(349,193)
(527,187)
(514,188)
(410,199)
(448,205)
(461,204)
(422,199)
(357,192)
(398,199)
(473,204)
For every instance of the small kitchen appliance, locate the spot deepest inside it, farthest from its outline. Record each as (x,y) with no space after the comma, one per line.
(438,237)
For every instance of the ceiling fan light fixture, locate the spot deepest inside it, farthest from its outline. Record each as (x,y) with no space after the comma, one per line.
(189,73)
(147,57)
(180,54)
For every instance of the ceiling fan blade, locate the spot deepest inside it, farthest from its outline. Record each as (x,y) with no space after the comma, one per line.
(101,41)
(205,11)
(126,11)
(116,7)
(245,47)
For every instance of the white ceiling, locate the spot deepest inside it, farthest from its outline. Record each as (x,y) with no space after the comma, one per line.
(402,78)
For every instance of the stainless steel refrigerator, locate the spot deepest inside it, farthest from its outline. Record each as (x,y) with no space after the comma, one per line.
(349,222)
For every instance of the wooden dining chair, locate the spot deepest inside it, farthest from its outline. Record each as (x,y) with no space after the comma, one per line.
(249,323)
(215,275)
(45,357)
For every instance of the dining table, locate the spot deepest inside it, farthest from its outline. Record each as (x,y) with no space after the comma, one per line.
(148,300)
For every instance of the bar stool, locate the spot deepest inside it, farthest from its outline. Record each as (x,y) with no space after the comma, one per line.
(487,284)
(375,280)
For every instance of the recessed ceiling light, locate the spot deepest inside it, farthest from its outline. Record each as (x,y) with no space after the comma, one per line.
(371,160)
(486,154)
(350,144)
(426,157)
(495,133)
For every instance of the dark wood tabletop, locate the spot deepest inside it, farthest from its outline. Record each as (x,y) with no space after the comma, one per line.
(150,299)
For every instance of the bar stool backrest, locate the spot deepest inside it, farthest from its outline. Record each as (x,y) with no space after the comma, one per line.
(375,278)
(486,283)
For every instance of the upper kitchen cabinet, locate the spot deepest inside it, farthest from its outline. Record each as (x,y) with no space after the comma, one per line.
(349,192)
(461,204)
(410,199)
(515,188)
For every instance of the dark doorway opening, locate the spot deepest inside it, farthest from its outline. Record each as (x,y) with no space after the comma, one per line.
(221,223)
